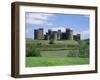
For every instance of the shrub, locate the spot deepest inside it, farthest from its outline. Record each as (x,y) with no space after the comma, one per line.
(73,53)
(39,44)
(84,49)
(32,52)
(51,41)
(84,53)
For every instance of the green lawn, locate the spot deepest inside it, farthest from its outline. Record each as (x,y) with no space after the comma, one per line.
(55,61)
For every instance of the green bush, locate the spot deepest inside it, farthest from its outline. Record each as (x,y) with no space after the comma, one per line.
(51,41)
(84,49)
(39,44)
(84,53)
(32,52)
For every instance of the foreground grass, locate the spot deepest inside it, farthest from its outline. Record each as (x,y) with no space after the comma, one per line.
(55,61)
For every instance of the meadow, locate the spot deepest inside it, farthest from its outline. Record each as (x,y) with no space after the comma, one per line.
(55,61)
(34,47)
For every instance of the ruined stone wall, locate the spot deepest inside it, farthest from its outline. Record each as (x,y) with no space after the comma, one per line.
(61,53)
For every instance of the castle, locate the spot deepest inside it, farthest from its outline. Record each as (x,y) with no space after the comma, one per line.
(55,35)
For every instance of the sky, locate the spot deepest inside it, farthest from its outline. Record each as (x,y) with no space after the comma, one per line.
(78,23)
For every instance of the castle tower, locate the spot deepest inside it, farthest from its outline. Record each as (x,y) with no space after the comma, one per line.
(47,37)
(50,34)
(63,36)
(38,34)
(35,34)
(69,34)
(59,34)
(55,35)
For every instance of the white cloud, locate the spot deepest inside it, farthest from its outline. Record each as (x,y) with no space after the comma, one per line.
(37,18)
(57,28)
(85,34)
(50,24)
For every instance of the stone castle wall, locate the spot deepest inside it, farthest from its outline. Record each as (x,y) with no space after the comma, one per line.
(60,53)
(56,35)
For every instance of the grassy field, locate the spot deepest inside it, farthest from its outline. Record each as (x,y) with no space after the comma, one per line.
(34,48)
(46,42)
(55,61)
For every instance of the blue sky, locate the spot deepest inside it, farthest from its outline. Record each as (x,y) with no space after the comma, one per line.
(78,23)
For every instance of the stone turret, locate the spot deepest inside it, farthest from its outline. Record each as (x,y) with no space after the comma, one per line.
(59,35)
(69,34)
(39,34)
